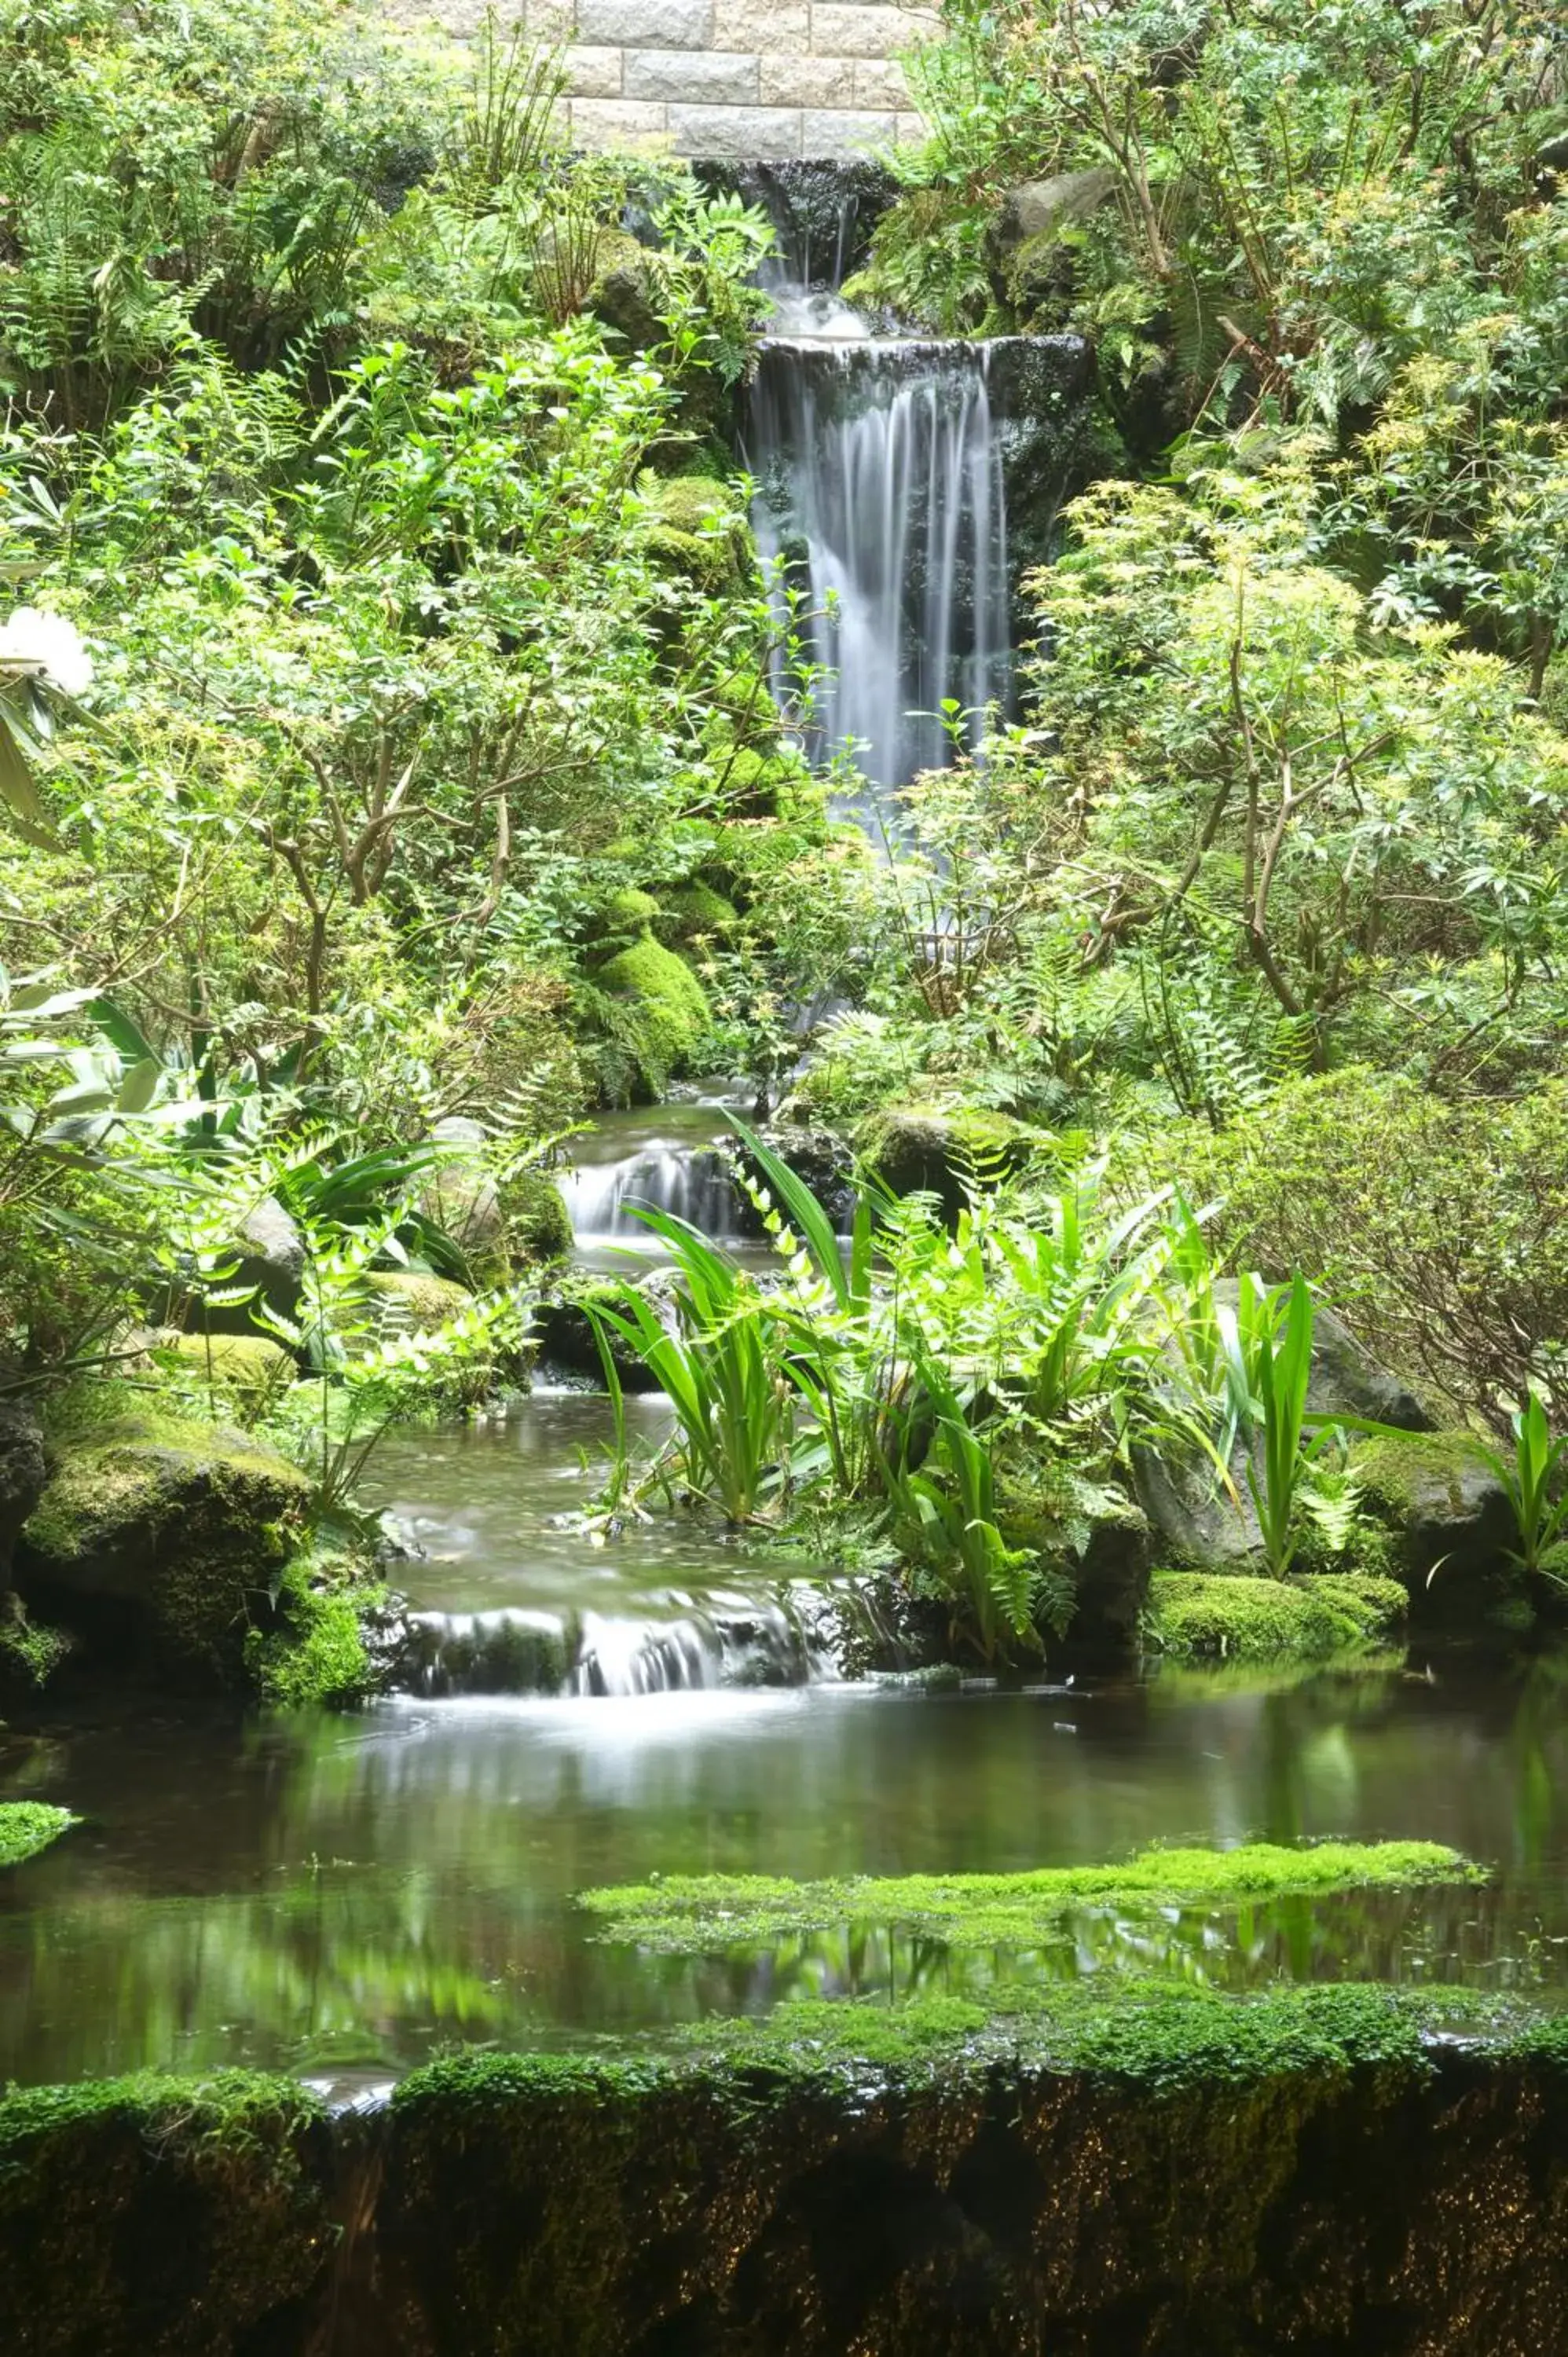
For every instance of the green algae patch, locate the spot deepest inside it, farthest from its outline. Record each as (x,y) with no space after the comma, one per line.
(28,1826)
(151,2217)
(1231,1616)
(697,1913)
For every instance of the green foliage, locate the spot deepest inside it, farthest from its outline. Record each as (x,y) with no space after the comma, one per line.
(318,1655)
(1532,1478)
(28,1826)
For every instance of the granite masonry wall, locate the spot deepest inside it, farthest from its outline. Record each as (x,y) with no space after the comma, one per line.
(761,80)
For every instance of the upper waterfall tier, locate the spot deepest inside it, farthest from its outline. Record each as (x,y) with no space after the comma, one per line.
(899,480)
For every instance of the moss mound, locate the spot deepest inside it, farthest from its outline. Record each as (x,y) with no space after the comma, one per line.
(159,2218)
(699,1913)
(692,911)
(698,533)
(667,1005)
(1234,1617)
(182,1526)
(317,1654)
(28,1826)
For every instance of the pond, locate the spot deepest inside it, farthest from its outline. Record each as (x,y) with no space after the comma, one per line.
(343,1896)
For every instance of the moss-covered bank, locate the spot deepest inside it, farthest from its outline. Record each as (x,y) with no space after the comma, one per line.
(152,2217)
(1304,2170)
(1326,2169)
(1231,1616)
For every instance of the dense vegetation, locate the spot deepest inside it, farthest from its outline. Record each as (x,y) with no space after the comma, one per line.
(388,739)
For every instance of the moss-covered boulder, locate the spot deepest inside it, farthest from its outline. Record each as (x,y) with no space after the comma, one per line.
(1449,1518)
(164,1527)
(623,294)
(153,2217)
(411,1301)
(693,912)
(666,1008)
(538,1224)
(250,1367)
(1232,1617)
(938,1149)
(696,531)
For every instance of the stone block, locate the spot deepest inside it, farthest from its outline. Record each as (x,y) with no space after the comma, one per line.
(608,122)
(760,135)
(829,132)
(696,78)
(879,83)
(866,32)
(754,24)
(646,23)
(807,82)
(909,130)
(461,19)
(594,73)
(550,20)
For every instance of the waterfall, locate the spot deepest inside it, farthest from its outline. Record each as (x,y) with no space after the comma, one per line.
(880,472)
(720,1642)
(694,1184)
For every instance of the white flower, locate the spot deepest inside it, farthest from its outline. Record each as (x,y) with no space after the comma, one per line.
(31,636)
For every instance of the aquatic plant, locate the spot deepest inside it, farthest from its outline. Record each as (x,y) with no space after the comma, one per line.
(1532,1477)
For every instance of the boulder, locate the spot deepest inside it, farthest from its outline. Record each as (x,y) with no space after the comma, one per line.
(934,1149)
(1028,242)
(167,1528)
(1232,1617)
(1451,1519)
(270,1263)
(251,1366)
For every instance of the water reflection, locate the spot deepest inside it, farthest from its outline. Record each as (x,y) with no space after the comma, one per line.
(353,1893)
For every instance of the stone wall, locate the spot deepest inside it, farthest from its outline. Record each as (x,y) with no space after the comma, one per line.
(761,80)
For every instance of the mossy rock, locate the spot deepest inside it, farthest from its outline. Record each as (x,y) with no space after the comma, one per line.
(690,912)
(755,784)
(1199,2173)
(152,2217)
(538,1224)
(1229,1616)
(250,1366)
(28,1826)
(938,1149)
(622,294)
(630,913)
(176,1527)
(408,1301)
(696,532)
(1449,1520)
(668,1004)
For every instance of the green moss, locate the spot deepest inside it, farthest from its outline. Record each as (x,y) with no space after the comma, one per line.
(248,1366)
(690,911)
(1399,1472)
(700,1912)
(669,1005)
(28,1826)
(30,1651)
(538,1224)
(696,531)
(181,1522)
(408,1302)
(1237,1617)
(629,910)
(317,1656)
(151,2217)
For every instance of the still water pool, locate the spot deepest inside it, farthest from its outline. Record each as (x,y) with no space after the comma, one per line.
(345,1895)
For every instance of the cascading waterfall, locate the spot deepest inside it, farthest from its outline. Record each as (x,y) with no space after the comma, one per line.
(694,1183)
(881,489)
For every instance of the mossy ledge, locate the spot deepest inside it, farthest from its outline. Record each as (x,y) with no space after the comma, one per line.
(1231,1616)
(150,2217)
(1193,2172)
(1171,2169)
(28,1826)
(683,1913)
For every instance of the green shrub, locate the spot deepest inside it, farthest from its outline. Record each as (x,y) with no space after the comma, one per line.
(1437,1230)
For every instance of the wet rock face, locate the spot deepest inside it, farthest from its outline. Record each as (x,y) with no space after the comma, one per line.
(822,213)
(576,2210)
